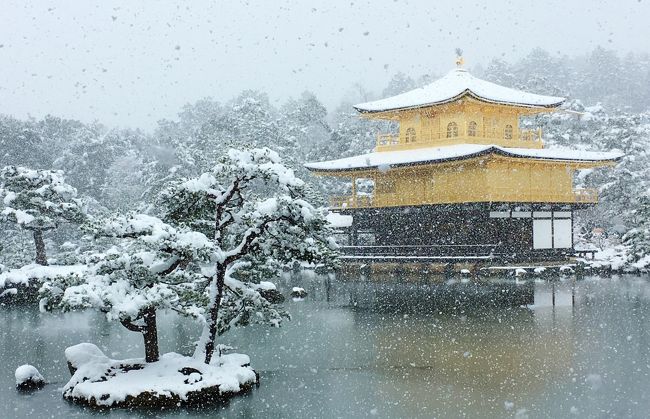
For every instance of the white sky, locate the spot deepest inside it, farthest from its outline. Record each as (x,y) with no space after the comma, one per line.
(131,63)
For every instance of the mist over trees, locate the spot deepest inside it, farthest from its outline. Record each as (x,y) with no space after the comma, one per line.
(117,169)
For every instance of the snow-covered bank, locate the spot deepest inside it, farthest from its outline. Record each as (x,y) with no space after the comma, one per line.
(618,259)
(24,283)
(175,380)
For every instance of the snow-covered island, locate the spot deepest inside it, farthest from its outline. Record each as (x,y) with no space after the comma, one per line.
(205,253)
(173,380)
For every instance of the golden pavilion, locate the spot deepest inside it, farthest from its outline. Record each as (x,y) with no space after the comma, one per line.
(461,179)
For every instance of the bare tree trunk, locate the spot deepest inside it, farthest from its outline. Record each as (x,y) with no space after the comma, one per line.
(213,309)
(150,334)
(41,256)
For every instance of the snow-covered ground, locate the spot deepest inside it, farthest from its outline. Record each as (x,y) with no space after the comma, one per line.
(18,284)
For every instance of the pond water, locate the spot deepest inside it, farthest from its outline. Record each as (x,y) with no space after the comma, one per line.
(356,349)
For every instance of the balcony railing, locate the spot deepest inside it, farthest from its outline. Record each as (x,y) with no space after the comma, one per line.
(349,201)
(494,194)
(586,195)
(520,138)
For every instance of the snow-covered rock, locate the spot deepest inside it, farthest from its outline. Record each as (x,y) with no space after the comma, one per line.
(173,380)
(298,293)
(84,353)
(269,291)
(566,270)
(28,377)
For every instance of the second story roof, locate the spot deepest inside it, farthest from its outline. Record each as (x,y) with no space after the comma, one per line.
(391,159)
(456,84)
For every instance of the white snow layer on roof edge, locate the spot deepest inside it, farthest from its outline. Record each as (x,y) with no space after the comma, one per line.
(386,159)
(455,84)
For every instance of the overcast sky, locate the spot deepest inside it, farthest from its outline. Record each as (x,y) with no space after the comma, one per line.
(131,63)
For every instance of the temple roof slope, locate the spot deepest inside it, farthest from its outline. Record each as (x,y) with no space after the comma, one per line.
(456,84)
(388,159)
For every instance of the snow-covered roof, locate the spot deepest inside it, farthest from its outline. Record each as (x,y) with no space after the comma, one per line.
(456,84)
(386,159)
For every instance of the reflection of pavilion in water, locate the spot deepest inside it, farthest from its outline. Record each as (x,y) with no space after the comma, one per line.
(471,356)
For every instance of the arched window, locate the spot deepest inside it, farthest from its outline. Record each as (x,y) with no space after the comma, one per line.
(507,133)
(452,130)
(410,135)
(471,129)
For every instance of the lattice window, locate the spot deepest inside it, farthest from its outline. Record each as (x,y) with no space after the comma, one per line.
(507,133)
(452,130)
(410,135)
(471,129)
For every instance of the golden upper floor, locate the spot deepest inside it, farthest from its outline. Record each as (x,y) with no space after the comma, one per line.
(459,109)
(464,122)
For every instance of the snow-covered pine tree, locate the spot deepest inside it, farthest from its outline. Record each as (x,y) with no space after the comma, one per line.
(304,123)
(255,209)
(638,238)
(38,201)
(153,266)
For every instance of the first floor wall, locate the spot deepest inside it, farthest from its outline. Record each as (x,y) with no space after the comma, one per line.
(512,230)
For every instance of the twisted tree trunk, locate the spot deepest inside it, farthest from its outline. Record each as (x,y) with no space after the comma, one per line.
(213,309)
(41,256)
(149,332)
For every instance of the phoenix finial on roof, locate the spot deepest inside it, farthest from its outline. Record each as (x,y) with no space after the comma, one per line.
(459,57)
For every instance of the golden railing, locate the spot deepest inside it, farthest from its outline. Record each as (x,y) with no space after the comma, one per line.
(577,196)
(586,195)
(518,138)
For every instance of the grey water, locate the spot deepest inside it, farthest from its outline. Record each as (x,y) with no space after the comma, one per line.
(393,349)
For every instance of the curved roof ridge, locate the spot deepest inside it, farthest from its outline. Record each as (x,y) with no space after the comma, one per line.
(454,85)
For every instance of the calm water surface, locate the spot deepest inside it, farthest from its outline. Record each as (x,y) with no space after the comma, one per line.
(358,350)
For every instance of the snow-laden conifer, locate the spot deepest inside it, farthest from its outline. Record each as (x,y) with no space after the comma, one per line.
(256,211)
(38,200)
(152,266)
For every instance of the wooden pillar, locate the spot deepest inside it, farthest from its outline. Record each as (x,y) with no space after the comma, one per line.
(353,232)
(354,192)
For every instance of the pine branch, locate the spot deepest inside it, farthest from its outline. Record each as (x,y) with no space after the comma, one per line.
(131,326)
